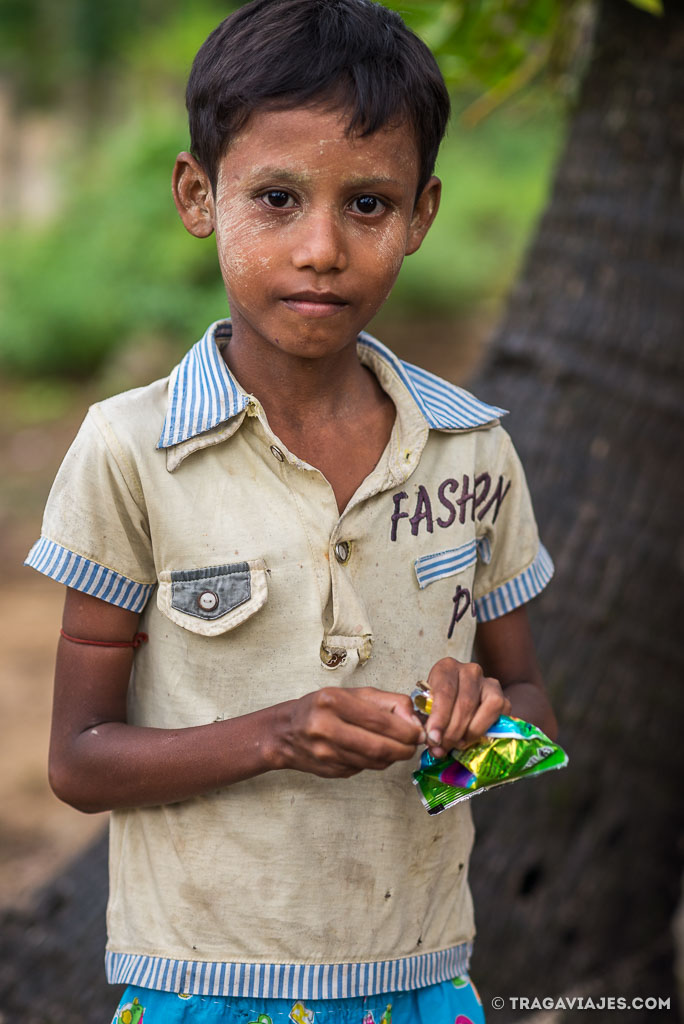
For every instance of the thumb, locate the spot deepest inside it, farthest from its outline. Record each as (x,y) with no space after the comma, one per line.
(402,707)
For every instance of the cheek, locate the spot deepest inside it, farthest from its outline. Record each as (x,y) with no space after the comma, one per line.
(242,243)
(241,246)
(386,253)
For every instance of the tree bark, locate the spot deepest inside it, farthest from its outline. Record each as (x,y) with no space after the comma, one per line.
(576,876)
(52,953)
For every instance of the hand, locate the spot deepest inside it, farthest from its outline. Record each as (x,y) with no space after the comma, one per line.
(465,703)
(336,733)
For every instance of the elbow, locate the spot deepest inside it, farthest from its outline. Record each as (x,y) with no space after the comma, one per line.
(67,784)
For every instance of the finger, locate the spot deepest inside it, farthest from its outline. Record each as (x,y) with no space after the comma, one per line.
(469,700)
(388,714)
(329,737)
(493,703)
(320,757)
(339,763)
(444,683)
(329,770)
(363,749)
(395,703)
(403,707)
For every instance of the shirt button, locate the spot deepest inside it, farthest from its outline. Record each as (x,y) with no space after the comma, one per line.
(208,601)
(277,454)
(331,659)
(342,550)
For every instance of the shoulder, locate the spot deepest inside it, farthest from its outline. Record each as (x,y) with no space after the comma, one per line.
(132,420)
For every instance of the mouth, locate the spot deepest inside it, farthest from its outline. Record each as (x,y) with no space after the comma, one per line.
(314,304)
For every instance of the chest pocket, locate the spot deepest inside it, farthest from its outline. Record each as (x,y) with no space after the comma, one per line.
(213,600)
(430,568)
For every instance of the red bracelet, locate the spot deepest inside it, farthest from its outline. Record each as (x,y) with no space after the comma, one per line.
(138,639)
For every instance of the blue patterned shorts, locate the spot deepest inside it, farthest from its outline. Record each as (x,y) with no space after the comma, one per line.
(451,1002)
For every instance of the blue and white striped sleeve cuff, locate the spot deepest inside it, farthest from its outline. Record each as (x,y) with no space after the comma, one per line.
(82,574)
(518,591)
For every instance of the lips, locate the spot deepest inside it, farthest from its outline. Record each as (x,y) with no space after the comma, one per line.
(314,303)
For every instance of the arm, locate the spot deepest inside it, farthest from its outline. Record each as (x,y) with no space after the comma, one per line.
(506,650)
(98,761)
(468,698)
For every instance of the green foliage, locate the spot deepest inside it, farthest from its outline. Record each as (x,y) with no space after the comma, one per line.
(498,47)
(81,43)
(115,264)
(652,6)
(481,42)
(495,179)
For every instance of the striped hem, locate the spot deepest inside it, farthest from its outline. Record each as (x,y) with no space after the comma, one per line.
(517,591)
(82,574)
(287,981)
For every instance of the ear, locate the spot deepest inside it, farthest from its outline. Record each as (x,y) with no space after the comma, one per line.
(424,212)
(193,196)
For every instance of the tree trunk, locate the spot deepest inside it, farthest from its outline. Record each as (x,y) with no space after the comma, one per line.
(577,876)
(52,954)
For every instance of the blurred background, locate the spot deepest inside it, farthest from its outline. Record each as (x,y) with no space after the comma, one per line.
(101,289)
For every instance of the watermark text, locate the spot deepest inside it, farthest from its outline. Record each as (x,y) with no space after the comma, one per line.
(577,1002)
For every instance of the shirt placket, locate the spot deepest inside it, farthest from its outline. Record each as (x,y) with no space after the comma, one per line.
(336,540)
(349,640)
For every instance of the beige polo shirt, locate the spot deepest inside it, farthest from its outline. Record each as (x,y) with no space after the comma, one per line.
(177,500)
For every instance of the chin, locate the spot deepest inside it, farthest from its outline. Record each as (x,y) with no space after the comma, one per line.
(311,345)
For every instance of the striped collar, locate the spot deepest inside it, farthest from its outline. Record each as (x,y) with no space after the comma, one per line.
(203,392)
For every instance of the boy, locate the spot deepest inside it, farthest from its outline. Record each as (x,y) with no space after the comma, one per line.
(303,526)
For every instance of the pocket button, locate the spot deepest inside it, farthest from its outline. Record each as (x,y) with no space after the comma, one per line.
(208,601)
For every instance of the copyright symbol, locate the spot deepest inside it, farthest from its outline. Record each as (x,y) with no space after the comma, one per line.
(498,1002)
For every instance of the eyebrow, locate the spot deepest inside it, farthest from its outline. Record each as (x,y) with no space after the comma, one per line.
(292,177)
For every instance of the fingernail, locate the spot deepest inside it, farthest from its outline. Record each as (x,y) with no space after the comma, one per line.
(434,735)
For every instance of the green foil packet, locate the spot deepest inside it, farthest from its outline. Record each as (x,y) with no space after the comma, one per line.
(511,749)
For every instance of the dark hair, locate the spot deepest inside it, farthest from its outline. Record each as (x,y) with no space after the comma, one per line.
(355,54)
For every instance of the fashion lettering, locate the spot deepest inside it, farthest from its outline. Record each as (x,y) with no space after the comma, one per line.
(455,500)
(463,600)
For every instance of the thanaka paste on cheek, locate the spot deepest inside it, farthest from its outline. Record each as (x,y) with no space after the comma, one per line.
(275,260)
(236,235)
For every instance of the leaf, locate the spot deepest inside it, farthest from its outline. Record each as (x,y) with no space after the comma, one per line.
(652,6)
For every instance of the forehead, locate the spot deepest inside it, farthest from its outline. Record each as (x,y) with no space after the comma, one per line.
(314,141)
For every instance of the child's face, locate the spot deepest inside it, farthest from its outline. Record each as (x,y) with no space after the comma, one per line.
(311,225)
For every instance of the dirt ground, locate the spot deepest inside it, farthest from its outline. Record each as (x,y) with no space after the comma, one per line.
(38,834)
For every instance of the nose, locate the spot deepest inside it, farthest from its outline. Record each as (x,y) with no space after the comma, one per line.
(320,243)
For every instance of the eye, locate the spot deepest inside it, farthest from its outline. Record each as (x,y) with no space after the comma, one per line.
(367,205)
(277,198)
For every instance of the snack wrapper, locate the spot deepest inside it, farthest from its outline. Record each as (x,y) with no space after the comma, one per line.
(511,749)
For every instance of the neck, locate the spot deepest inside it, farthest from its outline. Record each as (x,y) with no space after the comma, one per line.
(295,387)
